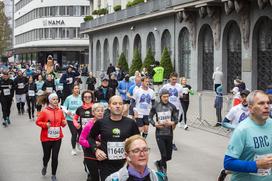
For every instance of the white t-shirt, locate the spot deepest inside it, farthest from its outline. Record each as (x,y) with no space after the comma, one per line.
(175,93)
(143,99)
(217,77)
(237,114)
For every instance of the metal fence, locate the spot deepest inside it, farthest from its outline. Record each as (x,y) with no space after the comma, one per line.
(202,114)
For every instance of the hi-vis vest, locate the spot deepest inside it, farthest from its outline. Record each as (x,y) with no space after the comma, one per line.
(158,76)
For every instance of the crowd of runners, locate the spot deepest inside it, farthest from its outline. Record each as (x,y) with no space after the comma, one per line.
(109,119)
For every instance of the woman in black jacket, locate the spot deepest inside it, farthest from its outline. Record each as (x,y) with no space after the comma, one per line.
(31,97)
(91,81)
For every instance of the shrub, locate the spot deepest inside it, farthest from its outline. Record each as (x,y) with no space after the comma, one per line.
(149,60)
(122,62)
(103,11)
(136,62)
(117,8)
(95,12)
(166,63)
(88,18)
(129,4)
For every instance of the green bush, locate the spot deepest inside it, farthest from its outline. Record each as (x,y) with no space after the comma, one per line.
(122,62)
(134,3)
(149,60)
(166,63)
(103,11)
(129,4)
(117,7)
(88,18)
(95,12)
(136,62)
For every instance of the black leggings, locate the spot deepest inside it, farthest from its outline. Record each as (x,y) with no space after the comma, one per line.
(74,132)
(6,105)
(55,147)
(165,146)
(91,167)
(185,105)
(31,103)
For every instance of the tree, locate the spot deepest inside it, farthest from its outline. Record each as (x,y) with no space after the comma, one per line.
(166,63)
(122,62)
(5,31)
(136,62)
(149,60)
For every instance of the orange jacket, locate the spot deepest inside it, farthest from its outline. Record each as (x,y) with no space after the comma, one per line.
(55,117)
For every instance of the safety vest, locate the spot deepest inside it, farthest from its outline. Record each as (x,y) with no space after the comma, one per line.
(158,76)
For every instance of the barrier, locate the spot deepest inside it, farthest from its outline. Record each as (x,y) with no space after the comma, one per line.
(202,114)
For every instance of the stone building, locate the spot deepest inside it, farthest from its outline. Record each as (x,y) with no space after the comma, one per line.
(235,35)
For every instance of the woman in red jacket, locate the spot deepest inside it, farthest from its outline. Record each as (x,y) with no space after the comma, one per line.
(51,119)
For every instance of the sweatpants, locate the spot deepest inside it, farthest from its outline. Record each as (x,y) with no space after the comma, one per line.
(6,105)
(54,147)
(165,146)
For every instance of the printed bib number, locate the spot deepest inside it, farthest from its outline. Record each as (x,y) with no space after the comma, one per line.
(84,121)
(31,93)
(164,116)
(49,89)
(262,172)
(69,80)
(6,92)
(53,132)
(116,150)
(60,87)
(21,85)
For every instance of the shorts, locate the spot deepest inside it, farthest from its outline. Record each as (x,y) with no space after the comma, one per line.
(126,101)
(20,98)
(142,121)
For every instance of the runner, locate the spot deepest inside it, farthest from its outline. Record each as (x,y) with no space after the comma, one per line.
(69,107)
(6,96)
(137,154)
(130,94)
(144,98)
(20,91)
(123,88)
(90,161)
(248,154)
(59,88)
(51,120)
(166,118)
(31,97)
(39,84)
(104,92)
(49,84)
(113,130)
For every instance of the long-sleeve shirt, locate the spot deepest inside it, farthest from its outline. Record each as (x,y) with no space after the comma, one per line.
(71,104)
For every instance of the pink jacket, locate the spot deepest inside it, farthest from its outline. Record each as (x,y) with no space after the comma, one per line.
(83,139)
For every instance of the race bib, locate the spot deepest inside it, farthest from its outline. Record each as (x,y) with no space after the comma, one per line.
(164,116)
(116,150)
(53,132)
(21,85)
(60,87)
(31,93)
(6,92)
(84,121)
(69,80)
(262,172)
(49,89)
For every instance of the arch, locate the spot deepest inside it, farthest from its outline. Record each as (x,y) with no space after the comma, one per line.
(166,41)
(98,56)
(262,35)
(115,51)
(184,53)
(232,60)
(126,46)
(206,56)
(106,54)
(138,43)
(150,43)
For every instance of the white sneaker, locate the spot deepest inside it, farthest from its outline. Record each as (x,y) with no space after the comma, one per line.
(78,147)
(185,127)
(179,125)
(73,152)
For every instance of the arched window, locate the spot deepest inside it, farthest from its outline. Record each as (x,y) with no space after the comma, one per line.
(184,53)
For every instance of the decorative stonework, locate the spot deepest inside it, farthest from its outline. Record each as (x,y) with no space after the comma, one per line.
(245,23)
(262,3)
(216,27)
(229,7)
(202,12)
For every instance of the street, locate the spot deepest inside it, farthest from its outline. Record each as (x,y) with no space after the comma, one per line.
(199,156)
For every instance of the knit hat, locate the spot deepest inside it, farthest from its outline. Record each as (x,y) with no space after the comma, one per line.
(164,91)
(52,95)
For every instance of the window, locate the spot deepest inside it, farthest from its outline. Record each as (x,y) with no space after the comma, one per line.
(46,33)
(82,13)
(62,32)
(53,33)
(62,10)
(69,10)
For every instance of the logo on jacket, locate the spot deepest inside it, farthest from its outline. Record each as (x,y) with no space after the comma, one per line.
(116,133)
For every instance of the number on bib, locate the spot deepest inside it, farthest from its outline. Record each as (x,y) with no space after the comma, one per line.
(116,150)
(6,92)
(53,132)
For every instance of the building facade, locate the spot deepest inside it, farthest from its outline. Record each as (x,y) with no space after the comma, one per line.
(235,35)
(50,27)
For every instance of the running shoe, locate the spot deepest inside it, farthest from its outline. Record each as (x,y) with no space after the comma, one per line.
(174,147)
(185,127)
(157,165)
(78,147)
(44,171)
(54,178)
(222,175)
(179,125)
(73,152)
(4,124)
(8,120)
